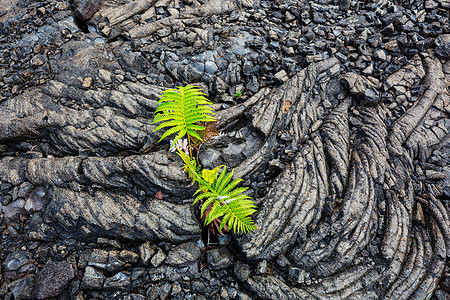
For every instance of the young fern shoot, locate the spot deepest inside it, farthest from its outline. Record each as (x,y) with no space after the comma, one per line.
(185,110)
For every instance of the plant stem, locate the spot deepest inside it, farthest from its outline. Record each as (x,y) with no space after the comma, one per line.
(189,141)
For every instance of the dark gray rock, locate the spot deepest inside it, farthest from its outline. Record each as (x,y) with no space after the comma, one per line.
(119,281)
(219,258)
(15,260)
(39,230)
(261,268)
(152,292)
(146,252)
(99,259)
(24,189)
(210,67)
(115,263)
(199,286)
(344,4)
(68,206)
(22,288)
(137,297)
(338,172)
(114,33)
(243,296)
(52,279)
(442,295)
(443,51)
(183,254)
(85,9)
(359,84)
(446,282)
(241,271)
(372,96)
(296,275)
(162,291)
(373,249)
(92,279)
(38,60)
(129,256)
(6,199)
(158,258)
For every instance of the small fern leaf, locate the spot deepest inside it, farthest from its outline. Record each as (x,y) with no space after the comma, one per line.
(210,175)
(190,166)
(194,134)
(232,185)
(170,131)
(215,213)
(219,183)
(224,182)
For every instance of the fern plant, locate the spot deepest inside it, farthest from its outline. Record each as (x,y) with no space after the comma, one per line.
(188,112)
(182,109)
(220,197)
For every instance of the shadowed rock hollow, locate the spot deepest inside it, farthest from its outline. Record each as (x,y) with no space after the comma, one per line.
(341,133)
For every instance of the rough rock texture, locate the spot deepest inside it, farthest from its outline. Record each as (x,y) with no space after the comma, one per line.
(335,113)
(52,279)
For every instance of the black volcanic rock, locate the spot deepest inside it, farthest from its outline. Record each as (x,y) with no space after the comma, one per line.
(335,114)
(85,9)
(52,279)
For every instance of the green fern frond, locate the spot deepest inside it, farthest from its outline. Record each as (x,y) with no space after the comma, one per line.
(227,203)
(181,109)
(191,166)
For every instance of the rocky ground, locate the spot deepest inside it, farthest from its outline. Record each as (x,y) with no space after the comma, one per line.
(336,114)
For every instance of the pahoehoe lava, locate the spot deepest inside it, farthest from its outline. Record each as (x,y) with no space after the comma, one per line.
(341,131)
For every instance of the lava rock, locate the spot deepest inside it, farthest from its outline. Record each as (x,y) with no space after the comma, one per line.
(183,254)
(210,67)
(344,4)
(442,295)
(158,258)
(219,258)
(99,259)
(296,275)
(129,256)
(162,291)
(199,286)
(52,279)
(261,268)
(85,9)
(15,260)
(146,252)
(41,231)
(241,271)
(22,288)
(282,261)
(38,60)
(372,96)
(92,279)
(359,84)
(443,51)
(118,281)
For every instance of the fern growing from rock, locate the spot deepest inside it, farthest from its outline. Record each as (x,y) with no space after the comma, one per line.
(185,110)
(221,196)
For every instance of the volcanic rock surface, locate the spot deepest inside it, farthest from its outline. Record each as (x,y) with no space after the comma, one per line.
(334,112)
